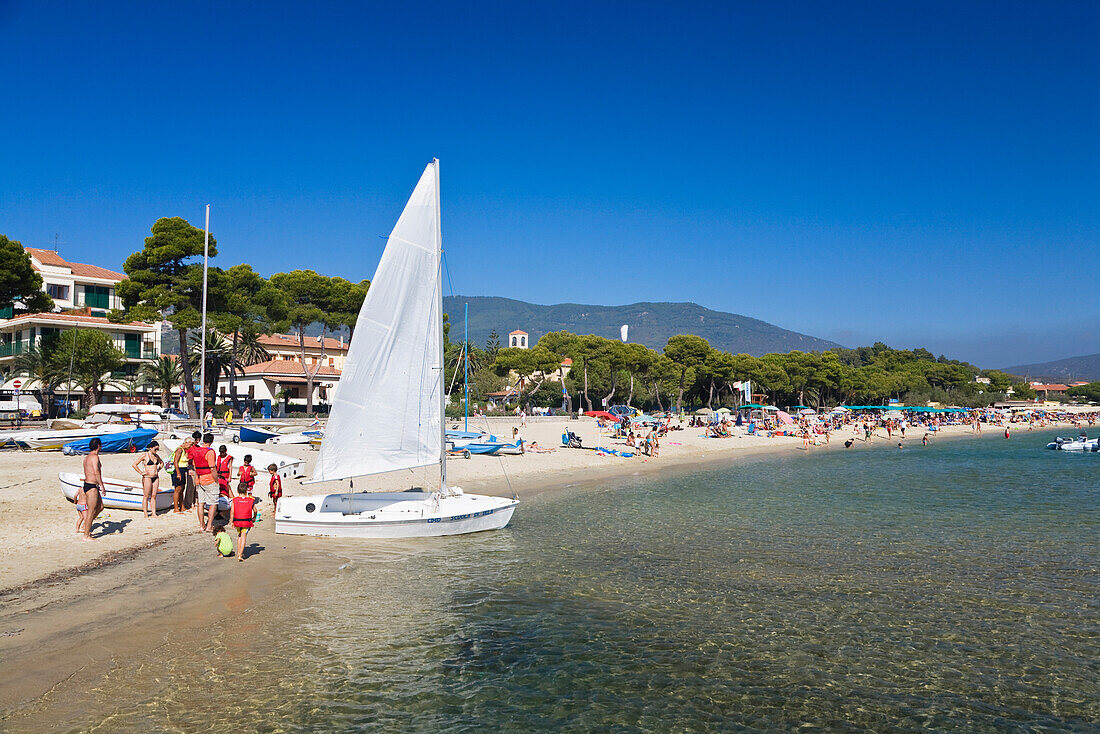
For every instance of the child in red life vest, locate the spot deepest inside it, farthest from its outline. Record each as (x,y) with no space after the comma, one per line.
(224,462)
(244,507)
(247,474)
(276,489)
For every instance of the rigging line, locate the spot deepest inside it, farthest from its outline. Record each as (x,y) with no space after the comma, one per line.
(459,362)
(447,270)
(500,459)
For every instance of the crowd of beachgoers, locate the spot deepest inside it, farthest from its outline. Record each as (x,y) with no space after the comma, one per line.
(203,479)
(217,494)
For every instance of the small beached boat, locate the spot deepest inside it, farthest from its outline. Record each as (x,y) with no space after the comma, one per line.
(50,440)
(113,443)
(297,437)
(256,434)
(120,494)
(289,467)
(387,414)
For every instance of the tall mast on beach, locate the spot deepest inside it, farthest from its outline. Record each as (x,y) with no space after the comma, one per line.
(202,363)
(439,346)
(466,372)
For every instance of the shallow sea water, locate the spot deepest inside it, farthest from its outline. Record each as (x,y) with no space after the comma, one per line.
(952,588)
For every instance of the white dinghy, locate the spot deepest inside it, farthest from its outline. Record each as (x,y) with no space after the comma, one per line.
(387,413)
(288,466)
(120,494)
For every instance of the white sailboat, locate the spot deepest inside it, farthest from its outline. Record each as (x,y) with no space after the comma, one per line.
(387,414)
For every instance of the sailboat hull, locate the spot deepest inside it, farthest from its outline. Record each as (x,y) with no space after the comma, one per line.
(392,515)
(120,494)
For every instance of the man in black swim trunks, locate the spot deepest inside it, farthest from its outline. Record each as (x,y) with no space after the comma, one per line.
(91,496)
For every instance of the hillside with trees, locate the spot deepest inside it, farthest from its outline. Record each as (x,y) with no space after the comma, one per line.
(689,371)
(1071,369)
(651,324)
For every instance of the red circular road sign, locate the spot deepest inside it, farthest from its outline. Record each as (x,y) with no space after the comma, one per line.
(16,384)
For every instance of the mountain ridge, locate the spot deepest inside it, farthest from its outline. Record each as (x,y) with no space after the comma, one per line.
(1084,367)
(651,324)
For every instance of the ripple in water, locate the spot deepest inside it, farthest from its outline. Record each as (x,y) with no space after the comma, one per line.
(952,588)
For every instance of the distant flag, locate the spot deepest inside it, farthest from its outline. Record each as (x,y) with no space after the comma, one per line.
(746,390)
(622,331)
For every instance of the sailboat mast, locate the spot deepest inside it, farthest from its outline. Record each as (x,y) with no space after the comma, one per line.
(439,305)
(466,372)
(202,359)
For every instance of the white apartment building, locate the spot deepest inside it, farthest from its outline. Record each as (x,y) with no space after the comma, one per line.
(82,294)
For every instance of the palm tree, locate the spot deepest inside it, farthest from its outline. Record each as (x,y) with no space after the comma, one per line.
(249,349)
(131,384)
(245,350)
(35,364)
(218,357)
(163,375)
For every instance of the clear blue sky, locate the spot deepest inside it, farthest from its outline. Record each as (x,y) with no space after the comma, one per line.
(925,174)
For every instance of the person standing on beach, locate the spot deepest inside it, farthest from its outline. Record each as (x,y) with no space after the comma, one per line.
(148,467)
(244,509)
(247,474)
(91,496)
(208,420)
(225,471)
(179,475)
(205,470)
(275,489)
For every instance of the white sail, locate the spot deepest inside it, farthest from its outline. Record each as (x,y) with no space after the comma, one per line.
(387,412)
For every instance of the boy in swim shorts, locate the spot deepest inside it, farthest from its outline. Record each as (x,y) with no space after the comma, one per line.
(90,497)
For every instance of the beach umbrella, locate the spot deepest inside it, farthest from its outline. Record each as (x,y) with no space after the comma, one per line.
(807,411)
(703,411)
(748,406)
(784,417)
(602,414)
(723,410)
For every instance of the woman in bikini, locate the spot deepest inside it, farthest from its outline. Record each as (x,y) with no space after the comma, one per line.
(148,465)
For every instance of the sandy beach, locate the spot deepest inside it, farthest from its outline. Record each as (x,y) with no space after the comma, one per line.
(39,524)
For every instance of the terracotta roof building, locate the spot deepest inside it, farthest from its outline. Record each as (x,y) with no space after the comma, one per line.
(76,285)
(286,347)
(265,380)
(82,296)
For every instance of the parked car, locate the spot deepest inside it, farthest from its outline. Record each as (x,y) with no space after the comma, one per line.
(623,410)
